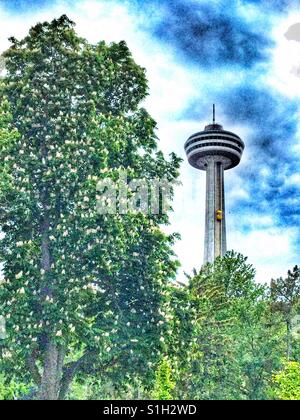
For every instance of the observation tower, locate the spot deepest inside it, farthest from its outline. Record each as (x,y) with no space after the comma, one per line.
(214,150)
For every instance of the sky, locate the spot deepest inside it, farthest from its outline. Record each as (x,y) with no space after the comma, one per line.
(242,55)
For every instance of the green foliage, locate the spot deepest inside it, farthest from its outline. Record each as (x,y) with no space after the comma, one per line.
(286,292)
(288,382)
(164,383)
(82,290)
(285,295)
(234,343)
(12,390)
(223,337)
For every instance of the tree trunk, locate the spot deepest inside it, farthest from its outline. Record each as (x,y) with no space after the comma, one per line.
(288,338)
(50,382)
(52,373)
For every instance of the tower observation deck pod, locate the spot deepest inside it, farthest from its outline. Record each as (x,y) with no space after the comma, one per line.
(214,150)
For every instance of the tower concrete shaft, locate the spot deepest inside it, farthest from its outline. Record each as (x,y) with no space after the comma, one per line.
(215,223)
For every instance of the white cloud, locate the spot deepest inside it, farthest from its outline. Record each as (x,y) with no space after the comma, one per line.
(284,71)
(270,250)
(238,192)
(293,180)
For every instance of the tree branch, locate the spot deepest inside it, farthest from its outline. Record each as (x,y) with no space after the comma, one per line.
(33,369)
(71,369)
(69,372)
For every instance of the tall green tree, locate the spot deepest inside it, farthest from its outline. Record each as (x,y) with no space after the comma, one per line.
(236,343)
(207,368)
(256,333)
(258,337)
(83,291)
(285,295)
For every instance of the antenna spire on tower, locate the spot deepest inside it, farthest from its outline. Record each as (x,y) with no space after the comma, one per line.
(214,113)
